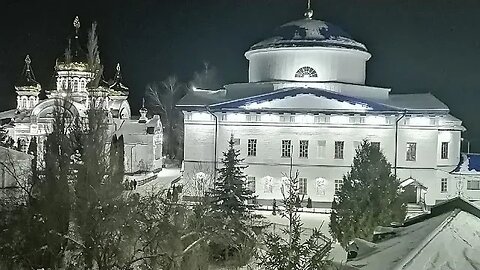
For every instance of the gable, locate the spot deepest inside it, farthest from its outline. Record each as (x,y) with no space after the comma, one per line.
(303,99)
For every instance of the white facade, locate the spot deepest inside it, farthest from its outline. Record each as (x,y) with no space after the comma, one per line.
(306,103)
(326,64)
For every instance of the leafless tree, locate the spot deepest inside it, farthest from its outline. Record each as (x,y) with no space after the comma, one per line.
(162,98)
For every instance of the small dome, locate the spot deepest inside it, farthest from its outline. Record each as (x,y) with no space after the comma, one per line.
(309,33)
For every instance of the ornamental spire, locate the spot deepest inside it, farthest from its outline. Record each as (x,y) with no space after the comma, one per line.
(309,13)
(27,78)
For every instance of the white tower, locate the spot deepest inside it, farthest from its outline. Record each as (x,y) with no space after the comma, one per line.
(27,88)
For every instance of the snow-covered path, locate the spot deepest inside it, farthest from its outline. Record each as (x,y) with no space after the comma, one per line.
(164,180)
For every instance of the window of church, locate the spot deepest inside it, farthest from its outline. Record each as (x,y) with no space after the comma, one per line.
(321,119)
(252,147)
(287,118)
(320,186)
(321,149)
(338,185)
(303,149)
(357,119)
(75,85)
(306,72)
(83,85)
(251,183)
(411,151)
(375,144)
(24,103)
(286,148)
(236,141)
(443,185)
(268,187)
(254,117)
(339,149)
(473,184)
(444,152)
(302,186)
(32,102)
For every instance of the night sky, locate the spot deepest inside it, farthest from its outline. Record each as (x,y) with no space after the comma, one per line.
(417,46)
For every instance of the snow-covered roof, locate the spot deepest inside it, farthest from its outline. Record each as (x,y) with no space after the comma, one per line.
(240,100)
(447,238)
(469,164)
(309,33)
(8,114)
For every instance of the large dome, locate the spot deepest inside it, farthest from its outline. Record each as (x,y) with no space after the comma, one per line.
(309,33)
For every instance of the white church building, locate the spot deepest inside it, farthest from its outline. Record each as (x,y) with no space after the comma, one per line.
(306,100)
(79,85)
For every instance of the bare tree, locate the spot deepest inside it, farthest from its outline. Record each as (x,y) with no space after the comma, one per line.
(162,98)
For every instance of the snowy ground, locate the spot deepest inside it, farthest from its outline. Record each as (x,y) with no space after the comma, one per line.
(310,221)
(164,180)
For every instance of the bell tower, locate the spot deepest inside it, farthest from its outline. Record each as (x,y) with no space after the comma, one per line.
(27,88)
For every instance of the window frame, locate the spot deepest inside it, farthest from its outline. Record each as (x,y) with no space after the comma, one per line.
(338,184)
(321,149)
(286,153)
(444,150)
(444,185)
(339,152)
(250,180)
(302,186)
(303,149)
(252,147)
(411,155)
(470,184)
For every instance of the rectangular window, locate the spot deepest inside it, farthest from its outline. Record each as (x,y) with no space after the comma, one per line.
(252,147)
(375,144)
(444,151)
(339,149)
(473,185)
(236,141)
(321,119)
(321,149)
(356,144)
(224,117)
(411,151)
(303,149)
(302,186)
(251,183)
(338,185)
(286,148)
(356,120)
(443,185)
(254,118)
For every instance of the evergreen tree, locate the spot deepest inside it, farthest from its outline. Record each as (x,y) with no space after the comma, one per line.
(369,197)
(5,140)
(232,234)
(287,251)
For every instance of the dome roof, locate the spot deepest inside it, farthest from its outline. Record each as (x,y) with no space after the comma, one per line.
(309,33)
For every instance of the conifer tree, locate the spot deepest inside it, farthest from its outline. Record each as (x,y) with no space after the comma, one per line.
(369,197)
(232,234)
(287,250)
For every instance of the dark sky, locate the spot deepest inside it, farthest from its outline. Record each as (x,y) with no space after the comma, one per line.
(417,46)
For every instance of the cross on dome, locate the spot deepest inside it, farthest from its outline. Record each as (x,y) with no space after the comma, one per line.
(76,23)
(309,13)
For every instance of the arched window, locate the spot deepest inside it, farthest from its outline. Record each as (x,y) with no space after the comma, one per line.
(83,85)
(32,102)
(24,102)
(306,72)
(75,85)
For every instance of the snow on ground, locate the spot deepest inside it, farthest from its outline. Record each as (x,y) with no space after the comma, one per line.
(310,221)
(163,181)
